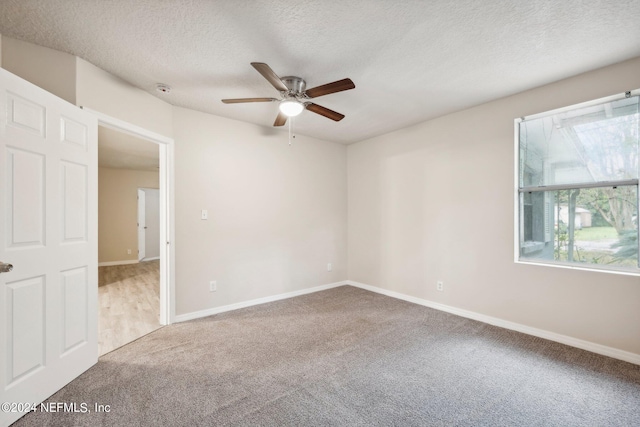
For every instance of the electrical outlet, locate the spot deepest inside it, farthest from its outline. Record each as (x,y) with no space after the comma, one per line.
(329,267)
(128,251)
(213,286)
(440,286)
(204,214)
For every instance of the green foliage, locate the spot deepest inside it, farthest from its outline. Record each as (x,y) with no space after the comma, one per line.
(627,245)
(611,206)
(598,221)
(562,239)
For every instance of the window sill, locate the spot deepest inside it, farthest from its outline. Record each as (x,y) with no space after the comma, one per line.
(591,268)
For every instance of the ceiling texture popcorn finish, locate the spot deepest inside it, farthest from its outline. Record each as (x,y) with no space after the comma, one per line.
(411,60)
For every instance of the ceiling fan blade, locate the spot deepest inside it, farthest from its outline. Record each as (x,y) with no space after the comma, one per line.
(330,114)
(280,120)
(270,75)
(240,100)
(339,86)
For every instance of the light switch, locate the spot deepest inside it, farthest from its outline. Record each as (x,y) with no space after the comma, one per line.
(205,214)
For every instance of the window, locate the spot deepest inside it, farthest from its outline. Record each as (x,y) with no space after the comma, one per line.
(577,185)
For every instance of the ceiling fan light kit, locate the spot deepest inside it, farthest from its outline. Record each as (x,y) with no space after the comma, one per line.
(294,97)
(291,108)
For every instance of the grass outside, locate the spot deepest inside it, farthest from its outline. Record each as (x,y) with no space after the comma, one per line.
(592,257)
(596,233)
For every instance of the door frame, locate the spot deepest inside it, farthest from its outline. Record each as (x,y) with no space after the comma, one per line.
(167,208)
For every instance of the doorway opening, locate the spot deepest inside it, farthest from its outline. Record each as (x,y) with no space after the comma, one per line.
(147,280)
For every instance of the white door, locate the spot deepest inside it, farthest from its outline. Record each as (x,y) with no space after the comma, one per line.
(141,225)
(152,223)
(48,223)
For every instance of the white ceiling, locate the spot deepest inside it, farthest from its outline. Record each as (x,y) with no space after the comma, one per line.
(411,60)
(122,151)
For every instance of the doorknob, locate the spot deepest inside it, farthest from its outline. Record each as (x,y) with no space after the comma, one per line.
(5,268)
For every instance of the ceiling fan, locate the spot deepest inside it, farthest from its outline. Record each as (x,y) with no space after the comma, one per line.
(294,95)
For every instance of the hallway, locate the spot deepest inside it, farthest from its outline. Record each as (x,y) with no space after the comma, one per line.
(129,299)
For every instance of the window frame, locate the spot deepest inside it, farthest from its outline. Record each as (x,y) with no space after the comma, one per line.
(518,213)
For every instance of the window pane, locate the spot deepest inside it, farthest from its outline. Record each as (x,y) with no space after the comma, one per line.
(592,144)
(586,226)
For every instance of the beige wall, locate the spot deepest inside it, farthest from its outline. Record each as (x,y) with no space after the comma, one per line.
(50,69)
(81,83)
(118,210)
(410,194)
(277,213)
(272,229)
(100,91)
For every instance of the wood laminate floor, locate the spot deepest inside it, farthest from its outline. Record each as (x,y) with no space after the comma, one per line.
(129,299)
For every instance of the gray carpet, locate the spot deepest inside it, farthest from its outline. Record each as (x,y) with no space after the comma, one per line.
(348,357)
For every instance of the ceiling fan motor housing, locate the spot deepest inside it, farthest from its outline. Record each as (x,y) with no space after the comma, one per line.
(296,85)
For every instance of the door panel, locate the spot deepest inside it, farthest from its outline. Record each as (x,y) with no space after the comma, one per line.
(26,115)
(73,133)
(48,223)
(74,306)
(73,201)
(27,336)
(152,223)
(25,181)
(142,225)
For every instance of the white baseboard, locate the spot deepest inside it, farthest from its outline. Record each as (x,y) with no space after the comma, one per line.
(243,304)
(124,262)
(150,259)
(552,336)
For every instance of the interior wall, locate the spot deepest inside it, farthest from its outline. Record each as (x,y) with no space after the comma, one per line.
(49,69)
(436,202)
(277,213)
(426,203)
(118,212)
(103,92)
(254,246)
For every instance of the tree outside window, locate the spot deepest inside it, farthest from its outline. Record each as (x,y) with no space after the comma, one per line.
(578,185)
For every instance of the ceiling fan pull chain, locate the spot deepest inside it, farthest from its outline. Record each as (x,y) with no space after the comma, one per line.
(291,135)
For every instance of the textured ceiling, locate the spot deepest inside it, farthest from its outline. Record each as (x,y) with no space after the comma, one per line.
(410,60)
(122,151)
